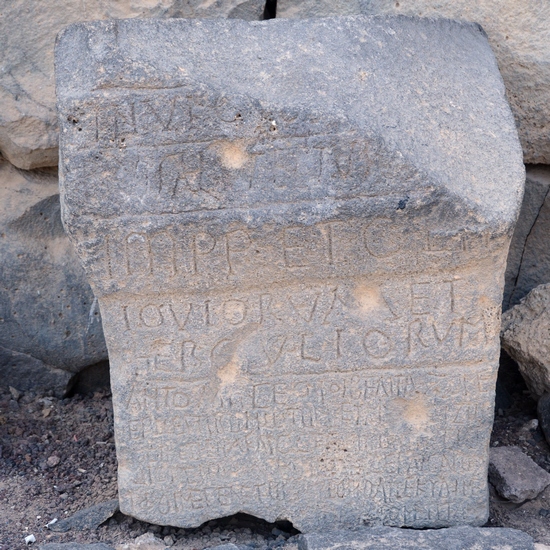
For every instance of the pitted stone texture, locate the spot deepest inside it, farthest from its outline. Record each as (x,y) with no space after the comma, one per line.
(518,34)
(387,538)
(525,330)
(28,121)
(529,258)
(47,308)
(297,231)
(515,475)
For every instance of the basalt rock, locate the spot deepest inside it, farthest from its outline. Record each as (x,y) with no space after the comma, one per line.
(48,314)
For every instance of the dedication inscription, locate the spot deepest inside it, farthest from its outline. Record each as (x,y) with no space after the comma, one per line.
(297,232)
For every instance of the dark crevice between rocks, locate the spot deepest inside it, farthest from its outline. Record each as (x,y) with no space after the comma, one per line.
(510,382)
(90,380)
(276,534)
(255,524)
(270,9)
(525,245)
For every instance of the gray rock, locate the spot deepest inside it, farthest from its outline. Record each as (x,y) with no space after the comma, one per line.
(387,538)
(297,233)
(529,257)
(89,518)
(28,373)
(543,413)
(228,546)
(48,315)
(524,335)
(28,125)
(74,546)
(514,474)
(520,39)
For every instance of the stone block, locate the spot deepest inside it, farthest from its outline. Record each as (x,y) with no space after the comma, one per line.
(515,475)
(48,315)
(388,538)
(28,121)
(297,232)
(519,36)
(525,330)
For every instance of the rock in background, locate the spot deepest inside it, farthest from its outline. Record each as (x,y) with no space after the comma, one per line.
(519,34)
(515,476)
(529,256)
(50,325)
(526,337)
(48,315)
(28,121)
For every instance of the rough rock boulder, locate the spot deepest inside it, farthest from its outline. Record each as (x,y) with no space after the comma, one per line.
(526,337)
(48,314)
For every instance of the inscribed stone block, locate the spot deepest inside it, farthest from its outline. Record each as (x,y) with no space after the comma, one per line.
(297,232)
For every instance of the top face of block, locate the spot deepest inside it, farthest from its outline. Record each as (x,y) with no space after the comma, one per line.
(424,95)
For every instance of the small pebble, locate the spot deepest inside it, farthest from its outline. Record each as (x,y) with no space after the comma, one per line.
(30,539)
(16,394)
(532,424)
(53,460)
(50,523)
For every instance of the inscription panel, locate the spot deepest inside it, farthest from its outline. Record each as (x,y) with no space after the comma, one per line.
(297,235)
(335,384)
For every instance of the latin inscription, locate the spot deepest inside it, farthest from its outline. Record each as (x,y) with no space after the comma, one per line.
(194,438)
(182,254)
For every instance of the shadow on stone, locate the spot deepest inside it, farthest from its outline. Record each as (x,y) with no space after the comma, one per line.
(256,525)
(91,379)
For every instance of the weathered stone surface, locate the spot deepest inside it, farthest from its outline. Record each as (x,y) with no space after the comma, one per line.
(525,330)
(28,122)
(74,546)
(297,231)
(388,538)
(518,34)
(529,257)
(47,309)
(515,475)
(89,518)
(317,8)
